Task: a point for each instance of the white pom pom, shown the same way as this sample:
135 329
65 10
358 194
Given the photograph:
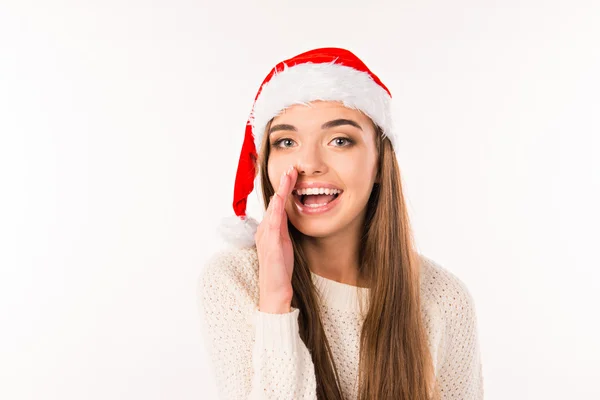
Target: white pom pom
237 231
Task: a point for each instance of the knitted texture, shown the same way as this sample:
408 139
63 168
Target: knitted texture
258 355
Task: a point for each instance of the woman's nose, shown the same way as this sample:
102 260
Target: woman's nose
310 162
310 168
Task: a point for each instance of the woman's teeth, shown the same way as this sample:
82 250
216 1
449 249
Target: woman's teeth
317 191
315 205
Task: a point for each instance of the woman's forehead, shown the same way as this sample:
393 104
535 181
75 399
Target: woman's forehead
319 111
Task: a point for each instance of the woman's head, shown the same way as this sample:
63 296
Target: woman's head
329 144
326 74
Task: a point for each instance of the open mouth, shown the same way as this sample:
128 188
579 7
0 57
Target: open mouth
315 200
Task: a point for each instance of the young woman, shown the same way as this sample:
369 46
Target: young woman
327 297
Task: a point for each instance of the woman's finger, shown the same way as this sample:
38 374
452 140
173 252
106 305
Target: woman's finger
265 219
276 208
287 191
275 216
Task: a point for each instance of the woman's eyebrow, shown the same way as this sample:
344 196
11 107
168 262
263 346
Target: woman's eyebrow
339 122
282 127
326 125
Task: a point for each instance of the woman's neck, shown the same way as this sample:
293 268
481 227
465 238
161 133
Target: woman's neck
335 258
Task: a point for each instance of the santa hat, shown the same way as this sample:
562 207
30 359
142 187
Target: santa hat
328 74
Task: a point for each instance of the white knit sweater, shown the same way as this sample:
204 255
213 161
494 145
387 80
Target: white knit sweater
257 355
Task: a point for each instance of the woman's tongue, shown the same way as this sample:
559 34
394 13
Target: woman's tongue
318 198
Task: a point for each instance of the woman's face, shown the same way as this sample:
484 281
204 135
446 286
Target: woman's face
325 147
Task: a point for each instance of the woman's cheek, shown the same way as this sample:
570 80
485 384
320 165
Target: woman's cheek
352 167
276 169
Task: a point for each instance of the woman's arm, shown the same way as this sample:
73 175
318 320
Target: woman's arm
255 355
285 366
461 375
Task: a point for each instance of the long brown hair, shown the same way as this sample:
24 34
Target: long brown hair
395 362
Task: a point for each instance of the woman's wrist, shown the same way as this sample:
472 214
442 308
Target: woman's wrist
274 306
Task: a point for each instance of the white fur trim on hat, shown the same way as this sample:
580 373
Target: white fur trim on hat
238 232
308 82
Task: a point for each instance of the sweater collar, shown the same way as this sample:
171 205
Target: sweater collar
338 295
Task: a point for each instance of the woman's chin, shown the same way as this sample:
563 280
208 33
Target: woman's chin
314 228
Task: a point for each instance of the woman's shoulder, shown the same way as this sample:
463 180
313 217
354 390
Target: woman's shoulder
445 289
230 270
232 261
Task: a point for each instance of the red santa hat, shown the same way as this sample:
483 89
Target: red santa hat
327 74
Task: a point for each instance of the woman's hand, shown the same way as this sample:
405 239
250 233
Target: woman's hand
275 252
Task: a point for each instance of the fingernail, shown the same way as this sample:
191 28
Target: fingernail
290 169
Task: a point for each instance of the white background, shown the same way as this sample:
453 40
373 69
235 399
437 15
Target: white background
121 125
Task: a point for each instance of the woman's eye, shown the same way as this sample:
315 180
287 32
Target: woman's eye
277 143
349 141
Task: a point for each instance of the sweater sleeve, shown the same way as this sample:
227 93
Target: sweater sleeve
255 355
461 374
